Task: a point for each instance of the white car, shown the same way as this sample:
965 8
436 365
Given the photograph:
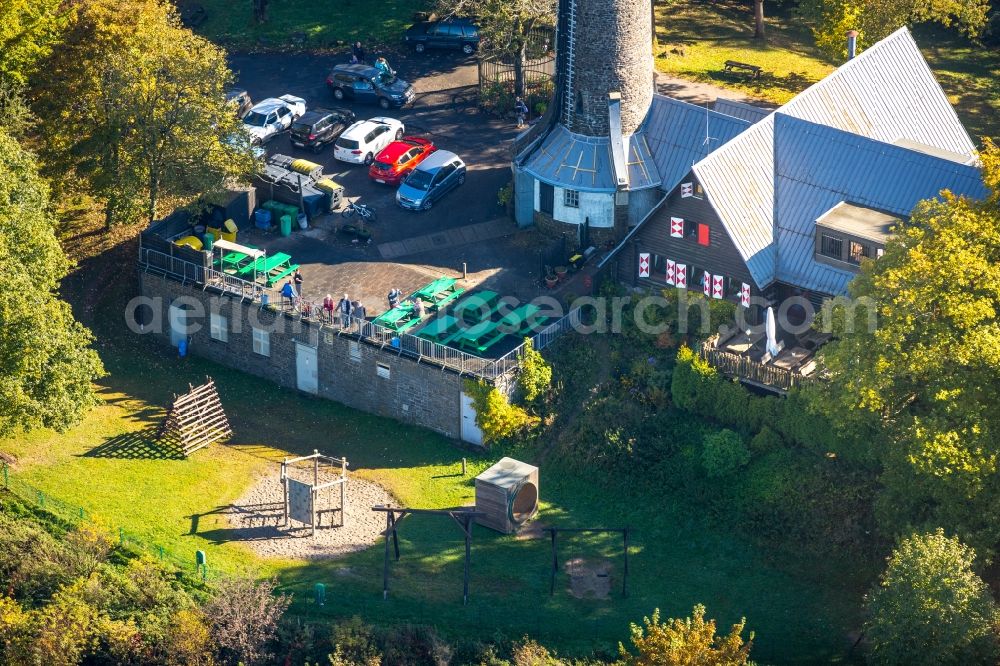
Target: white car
362 141
274 115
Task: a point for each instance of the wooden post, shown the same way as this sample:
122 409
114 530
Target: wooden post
385 563
284 487
343 492
625 572
468 554
463 466
555 564
395 538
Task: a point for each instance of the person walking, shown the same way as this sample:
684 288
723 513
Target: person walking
346 310
521 109
357 53
297 279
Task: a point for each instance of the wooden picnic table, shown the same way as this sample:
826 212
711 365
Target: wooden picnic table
391 318
481 305
742 343
429 292
439 330
731 66
265 264
789 359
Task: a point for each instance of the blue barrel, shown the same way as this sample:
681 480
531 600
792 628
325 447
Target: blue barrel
262 218
182 348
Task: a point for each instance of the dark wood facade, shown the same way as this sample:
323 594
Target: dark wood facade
718 257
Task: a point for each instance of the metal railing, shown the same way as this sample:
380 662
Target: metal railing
404 344
155 261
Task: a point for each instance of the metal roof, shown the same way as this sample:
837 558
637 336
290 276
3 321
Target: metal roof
818 167
583 163
886 94
747 112
679 134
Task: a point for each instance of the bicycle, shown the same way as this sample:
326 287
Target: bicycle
366 213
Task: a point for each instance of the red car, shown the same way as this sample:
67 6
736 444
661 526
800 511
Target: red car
399 158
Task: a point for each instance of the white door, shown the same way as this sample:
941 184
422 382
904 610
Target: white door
306 374
470 431
178 325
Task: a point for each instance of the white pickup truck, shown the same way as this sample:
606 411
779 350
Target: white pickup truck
272 116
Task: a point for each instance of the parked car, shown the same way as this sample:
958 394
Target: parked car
320 127
399 158
437 175
274 115
362 141
240 99
454 33
364 83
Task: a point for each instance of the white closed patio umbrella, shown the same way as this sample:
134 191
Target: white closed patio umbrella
772 334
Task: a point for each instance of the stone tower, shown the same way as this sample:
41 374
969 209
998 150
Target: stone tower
607 48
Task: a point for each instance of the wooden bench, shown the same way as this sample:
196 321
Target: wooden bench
735 67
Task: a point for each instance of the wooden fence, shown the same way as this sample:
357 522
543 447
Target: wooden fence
746 369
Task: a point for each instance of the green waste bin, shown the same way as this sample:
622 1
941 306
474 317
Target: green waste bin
286 225
208 241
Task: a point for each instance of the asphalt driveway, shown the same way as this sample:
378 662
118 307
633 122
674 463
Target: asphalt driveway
444 111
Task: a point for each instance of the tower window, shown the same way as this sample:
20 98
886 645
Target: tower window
571 198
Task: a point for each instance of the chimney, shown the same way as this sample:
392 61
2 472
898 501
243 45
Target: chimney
617 140
852 44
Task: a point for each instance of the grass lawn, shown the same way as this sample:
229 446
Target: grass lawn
802 611
315 24
696 38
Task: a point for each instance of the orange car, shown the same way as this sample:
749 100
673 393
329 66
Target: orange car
399 158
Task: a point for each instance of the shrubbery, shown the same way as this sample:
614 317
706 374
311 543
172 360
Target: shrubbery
495 416
724 453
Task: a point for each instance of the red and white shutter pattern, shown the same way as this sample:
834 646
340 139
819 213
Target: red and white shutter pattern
644 264
745 295
706 283
717 286
677 227
671 271
680 276
687 189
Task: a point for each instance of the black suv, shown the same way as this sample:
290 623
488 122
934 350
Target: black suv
364 83
319 128
447 34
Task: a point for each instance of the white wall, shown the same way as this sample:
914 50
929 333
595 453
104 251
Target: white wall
599 207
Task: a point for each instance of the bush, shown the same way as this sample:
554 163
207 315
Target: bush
766 441
535 377
680 642
495 416
724 453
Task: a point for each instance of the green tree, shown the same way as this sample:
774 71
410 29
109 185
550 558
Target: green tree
922 385
931 608
505 27
28 30
46 363
682 642
876 19
137 107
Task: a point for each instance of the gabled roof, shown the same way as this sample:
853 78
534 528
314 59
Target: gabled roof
747 112
818 167
583 163
886 94
680 134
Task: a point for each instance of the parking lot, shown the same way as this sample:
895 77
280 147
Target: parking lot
466 226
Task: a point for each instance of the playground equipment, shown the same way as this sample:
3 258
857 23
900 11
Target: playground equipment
301 497
507 495
195 419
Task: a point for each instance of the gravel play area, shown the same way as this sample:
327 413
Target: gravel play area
257 519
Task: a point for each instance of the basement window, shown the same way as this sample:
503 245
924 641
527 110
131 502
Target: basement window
261 342
354 350
382 370
571 198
